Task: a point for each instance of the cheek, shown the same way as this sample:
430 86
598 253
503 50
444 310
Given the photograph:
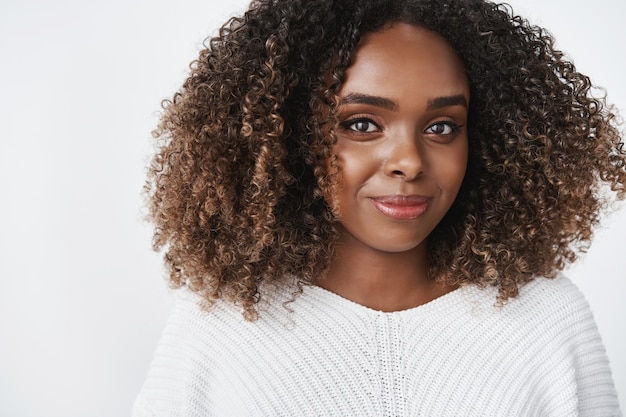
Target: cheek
355 165
451 167
347 167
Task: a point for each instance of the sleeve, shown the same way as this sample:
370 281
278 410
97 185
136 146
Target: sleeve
588 384
141 408
177 381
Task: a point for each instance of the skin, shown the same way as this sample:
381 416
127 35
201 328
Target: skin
402 150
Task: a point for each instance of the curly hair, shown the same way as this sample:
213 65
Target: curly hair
236 188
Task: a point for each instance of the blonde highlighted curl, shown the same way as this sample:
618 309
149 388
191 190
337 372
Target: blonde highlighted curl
236 188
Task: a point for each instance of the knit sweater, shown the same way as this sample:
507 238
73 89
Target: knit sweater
322 355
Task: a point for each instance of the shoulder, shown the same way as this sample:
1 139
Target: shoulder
548 326
552 312
540 349
555 331
195 328
554 304
559 291
214 362
543 298
185 361
197 336
563 312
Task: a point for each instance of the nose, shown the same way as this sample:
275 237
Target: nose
405 158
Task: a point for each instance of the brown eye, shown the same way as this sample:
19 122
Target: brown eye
442 128
361 126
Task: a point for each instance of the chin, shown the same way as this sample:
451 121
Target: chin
395 247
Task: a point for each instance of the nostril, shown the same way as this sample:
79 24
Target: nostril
396 172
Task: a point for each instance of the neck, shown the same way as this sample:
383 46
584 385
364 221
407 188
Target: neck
386 281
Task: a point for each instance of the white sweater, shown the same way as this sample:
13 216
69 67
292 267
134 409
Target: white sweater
459 355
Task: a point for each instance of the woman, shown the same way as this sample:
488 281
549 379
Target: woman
384 189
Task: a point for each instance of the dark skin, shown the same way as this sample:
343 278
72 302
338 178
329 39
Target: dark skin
382 281
402 153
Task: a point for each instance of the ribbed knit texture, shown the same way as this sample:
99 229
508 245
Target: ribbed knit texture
459 355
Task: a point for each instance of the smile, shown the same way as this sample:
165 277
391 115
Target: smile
401 207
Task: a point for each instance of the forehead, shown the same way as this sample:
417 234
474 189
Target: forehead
405 59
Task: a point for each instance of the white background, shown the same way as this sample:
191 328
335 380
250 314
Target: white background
82 297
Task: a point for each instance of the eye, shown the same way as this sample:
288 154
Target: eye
361 126
443 128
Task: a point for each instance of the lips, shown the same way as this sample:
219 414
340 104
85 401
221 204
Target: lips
401 207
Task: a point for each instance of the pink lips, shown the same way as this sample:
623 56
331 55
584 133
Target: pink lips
401 207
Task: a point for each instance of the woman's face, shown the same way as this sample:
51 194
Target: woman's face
402 138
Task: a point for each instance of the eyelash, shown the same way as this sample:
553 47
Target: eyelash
350 123
454 127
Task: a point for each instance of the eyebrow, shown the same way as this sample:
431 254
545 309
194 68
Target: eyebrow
439 102
385 103
357 98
